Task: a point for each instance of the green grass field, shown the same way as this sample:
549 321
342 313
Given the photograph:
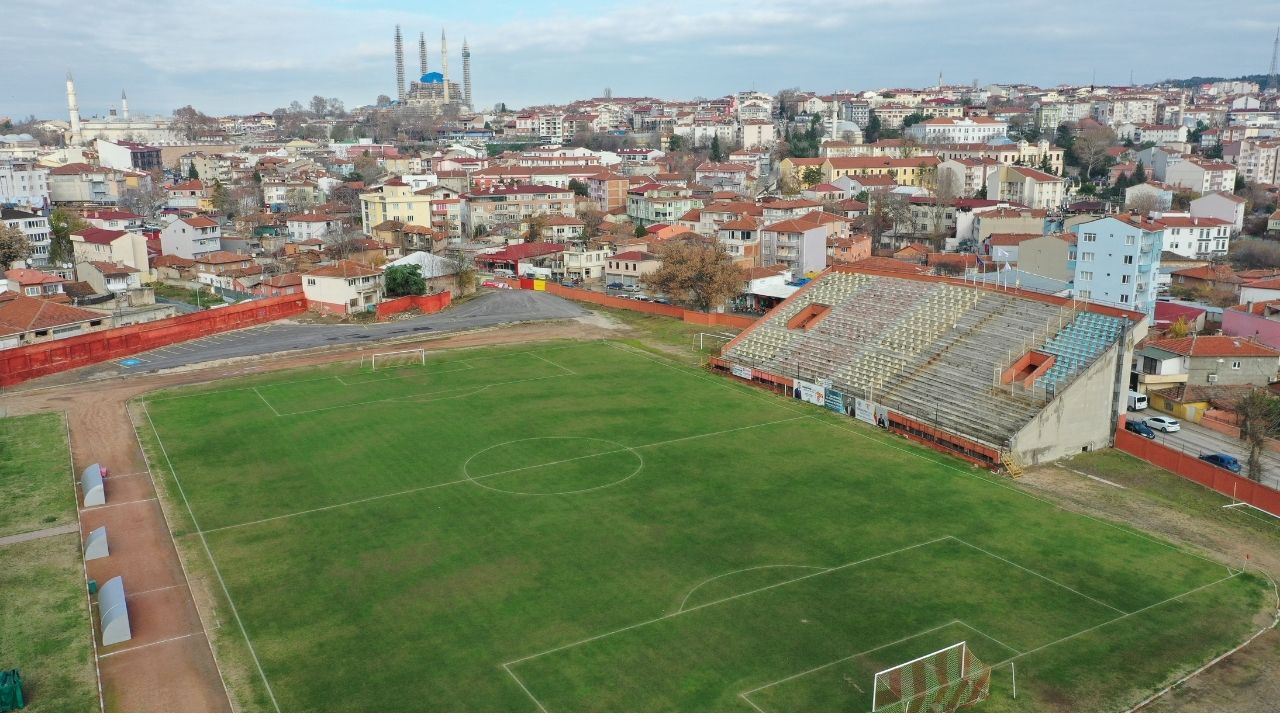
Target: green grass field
44 619
587 527
35 474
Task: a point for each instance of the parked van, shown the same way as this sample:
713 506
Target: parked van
1137 401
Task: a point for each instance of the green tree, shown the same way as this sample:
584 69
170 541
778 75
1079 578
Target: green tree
405 280
871 132
811 176
640 230
192 172
221 198
62 225
1240 183
913 119
717 155
1214 153
1139 175
675 143
14 246
578 187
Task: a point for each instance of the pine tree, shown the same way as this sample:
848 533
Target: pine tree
192 173
1139 174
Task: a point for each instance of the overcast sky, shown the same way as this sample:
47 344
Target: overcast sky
242 56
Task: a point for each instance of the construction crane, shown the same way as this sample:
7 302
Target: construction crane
1272 85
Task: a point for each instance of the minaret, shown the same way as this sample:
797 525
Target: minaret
466 73
124 106
444 64
74 109
399 65
422 54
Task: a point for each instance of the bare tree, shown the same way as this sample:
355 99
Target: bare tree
147 202
1143 204
696 272
1091 148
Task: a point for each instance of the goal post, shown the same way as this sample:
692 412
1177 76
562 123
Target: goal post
942 681
396 358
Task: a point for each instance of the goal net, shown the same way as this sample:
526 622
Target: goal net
942 681
397 358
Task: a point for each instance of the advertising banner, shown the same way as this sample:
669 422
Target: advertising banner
740 371
835 401
864 411
809 392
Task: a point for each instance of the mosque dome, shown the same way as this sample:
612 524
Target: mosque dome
431 78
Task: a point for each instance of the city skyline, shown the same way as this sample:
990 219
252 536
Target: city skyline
545 53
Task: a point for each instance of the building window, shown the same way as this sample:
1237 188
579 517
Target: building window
1090 237
1086 275
1235 364
1086 257
1130 239
311 281
1124 298
1128 259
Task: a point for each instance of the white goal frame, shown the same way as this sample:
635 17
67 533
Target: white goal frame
964 670
373 358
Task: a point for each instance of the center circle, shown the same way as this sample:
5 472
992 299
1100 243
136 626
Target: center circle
552 465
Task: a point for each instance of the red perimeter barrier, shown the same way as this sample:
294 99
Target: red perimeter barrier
425 303
33 361
1196 470
689 316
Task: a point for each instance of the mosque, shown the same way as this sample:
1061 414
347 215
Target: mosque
115 127
433 90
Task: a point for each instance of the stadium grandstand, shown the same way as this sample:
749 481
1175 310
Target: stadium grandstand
994 374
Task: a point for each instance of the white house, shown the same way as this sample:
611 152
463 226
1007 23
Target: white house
36 229
1198 238
191 237
1203 176
1026 186
958 130
343 288
1221 205
305 227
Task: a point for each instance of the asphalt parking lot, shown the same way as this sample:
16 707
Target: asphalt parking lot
495 308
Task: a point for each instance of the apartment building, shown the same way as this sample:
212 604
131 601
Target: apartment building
190 238
512 206
958 130
1026 186
1115 259
1203 176
23 183
36 229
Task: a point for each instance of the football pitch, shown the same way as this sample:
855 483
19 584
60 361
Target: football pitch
591 527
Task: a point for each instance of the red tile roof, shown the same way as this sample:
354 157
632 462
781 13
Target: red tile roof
99 236
20 313
221 257
1011 238
342 269
515 253
634 256
113 268
26 276
1214 346
200 221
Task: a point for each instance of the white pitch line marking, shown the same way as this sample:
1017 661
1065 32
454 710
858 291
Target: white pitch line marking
150 644
269 405
1042 577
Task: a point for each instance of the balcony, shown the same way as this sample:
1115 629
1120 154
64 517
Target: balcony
1144 268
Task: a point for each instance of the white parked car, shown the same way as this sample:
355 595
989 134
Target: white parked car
1164 424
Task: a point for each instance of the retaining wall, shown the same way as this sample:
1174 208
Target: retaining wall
425 303
1236 487
671 311
32 361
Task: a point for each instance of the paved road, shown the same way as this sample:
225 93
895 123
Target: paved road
1195 440
504 306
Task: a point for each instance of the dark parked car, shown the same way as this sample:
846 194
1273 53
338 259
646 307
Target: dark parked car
1222 460
614 286
1140 427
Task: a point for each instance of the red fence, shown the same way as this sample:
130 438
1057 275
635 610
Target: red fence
689 316
1196 470
33 361
425 303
